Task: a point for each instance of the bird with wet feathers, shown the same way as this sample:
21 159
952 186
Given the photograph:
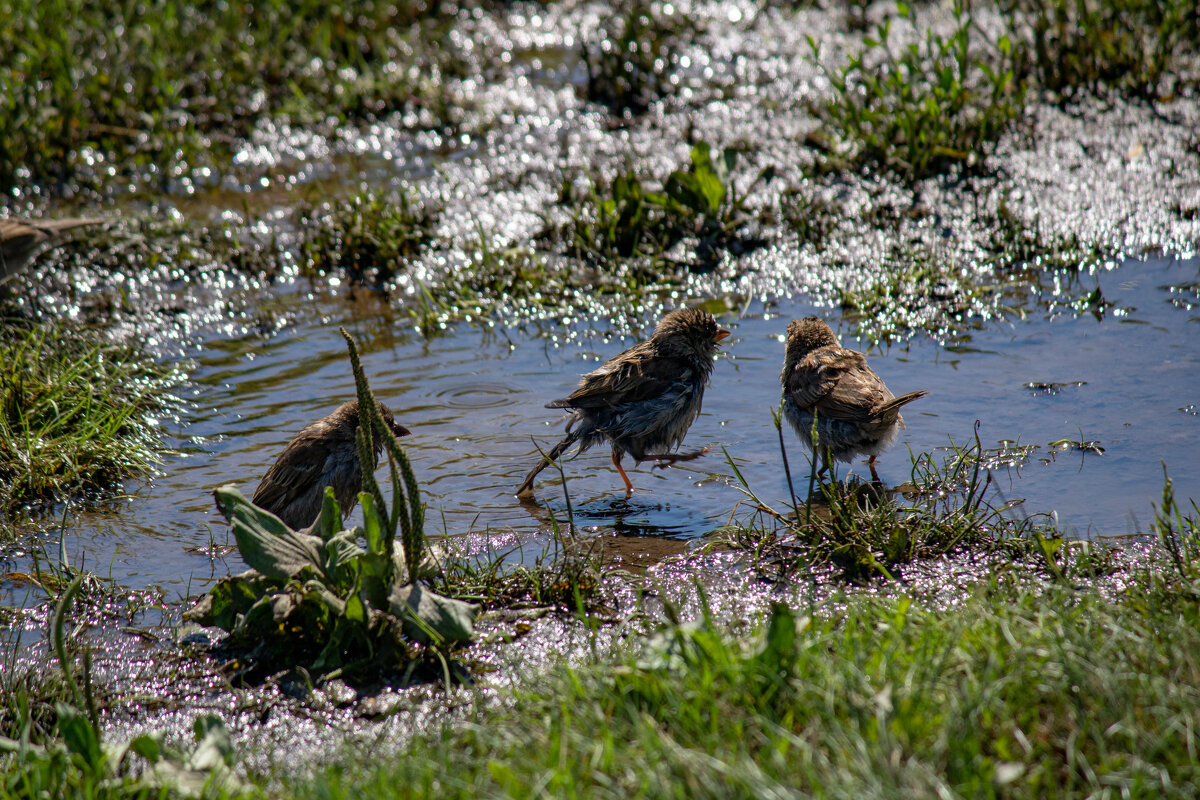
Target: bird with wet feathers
324 453
855 413
643 400
22 239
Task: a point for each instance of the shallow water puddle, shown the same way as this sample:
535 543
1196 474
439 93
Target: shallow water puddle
1129 382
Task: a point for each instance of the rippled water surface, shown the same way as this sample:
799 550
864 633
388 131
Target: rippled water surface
1127 379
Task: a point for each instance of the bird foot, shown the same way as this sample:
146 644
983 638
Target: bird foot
671 459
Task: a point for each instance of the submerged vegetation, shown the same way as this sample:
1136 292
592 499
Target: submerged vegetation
52 744
634 59
1136 46
80 414
369 238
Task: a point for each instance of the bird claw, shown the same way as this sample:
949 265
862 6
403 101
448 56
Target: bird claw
671 459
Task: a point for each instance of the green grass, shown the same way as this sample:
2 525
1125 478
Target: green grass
369 238
1018 689
78 414
627 219
177 82
1133 46
1015 692
925 108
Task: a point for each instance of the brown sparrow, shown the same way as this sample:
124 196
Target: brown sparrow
855 412
643 400
324 453
22 239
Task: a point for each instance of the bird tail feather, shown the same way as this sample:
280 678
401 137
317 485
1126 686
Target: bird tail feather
903 400
526 488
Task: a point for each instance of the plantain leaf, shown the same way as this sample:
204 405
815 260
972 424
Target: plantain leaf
329 523
430 618
264 541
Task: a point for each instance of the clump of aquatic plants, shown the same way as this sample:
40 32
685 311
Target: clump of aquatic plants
52 743
370 238
626 219
1135 46
921 289
79 414
333 600
634 58
1018 246
568 576
864 530
1179 533
928 107
149 87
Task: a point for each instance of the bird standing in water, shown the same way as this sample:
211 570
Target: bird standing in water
22 239
324 453
643 400
855 412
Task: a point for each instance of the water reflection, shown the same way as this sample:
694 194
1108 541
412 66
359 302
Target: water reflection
474 402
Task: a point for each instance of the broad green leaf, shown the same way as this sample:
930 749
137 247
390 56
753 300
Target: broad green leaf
264 541
229 598
148 746
780 643
315 590
713 191
329 523
79 736
340 552
216 746
430 618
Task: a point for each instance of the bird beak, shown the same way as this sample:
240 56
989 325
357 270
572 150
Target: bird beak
720 334
400 430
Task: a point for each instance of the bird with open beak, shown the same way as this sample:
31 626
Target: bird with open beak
643 400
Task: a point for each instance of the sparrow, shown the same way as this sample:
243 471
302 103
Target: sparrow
324 453
22 239
643 400
855 412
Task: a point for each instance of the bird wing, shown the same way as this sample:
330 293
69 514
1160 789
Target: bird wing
837 384
295 472
637 374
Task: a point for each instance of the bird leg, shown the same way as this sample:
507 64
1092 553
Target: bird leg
871 464
616 460
671 459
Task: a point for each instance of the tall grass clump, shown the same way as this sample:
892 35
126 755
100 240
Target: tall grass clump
1142 47
864 530
78 413
927 107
